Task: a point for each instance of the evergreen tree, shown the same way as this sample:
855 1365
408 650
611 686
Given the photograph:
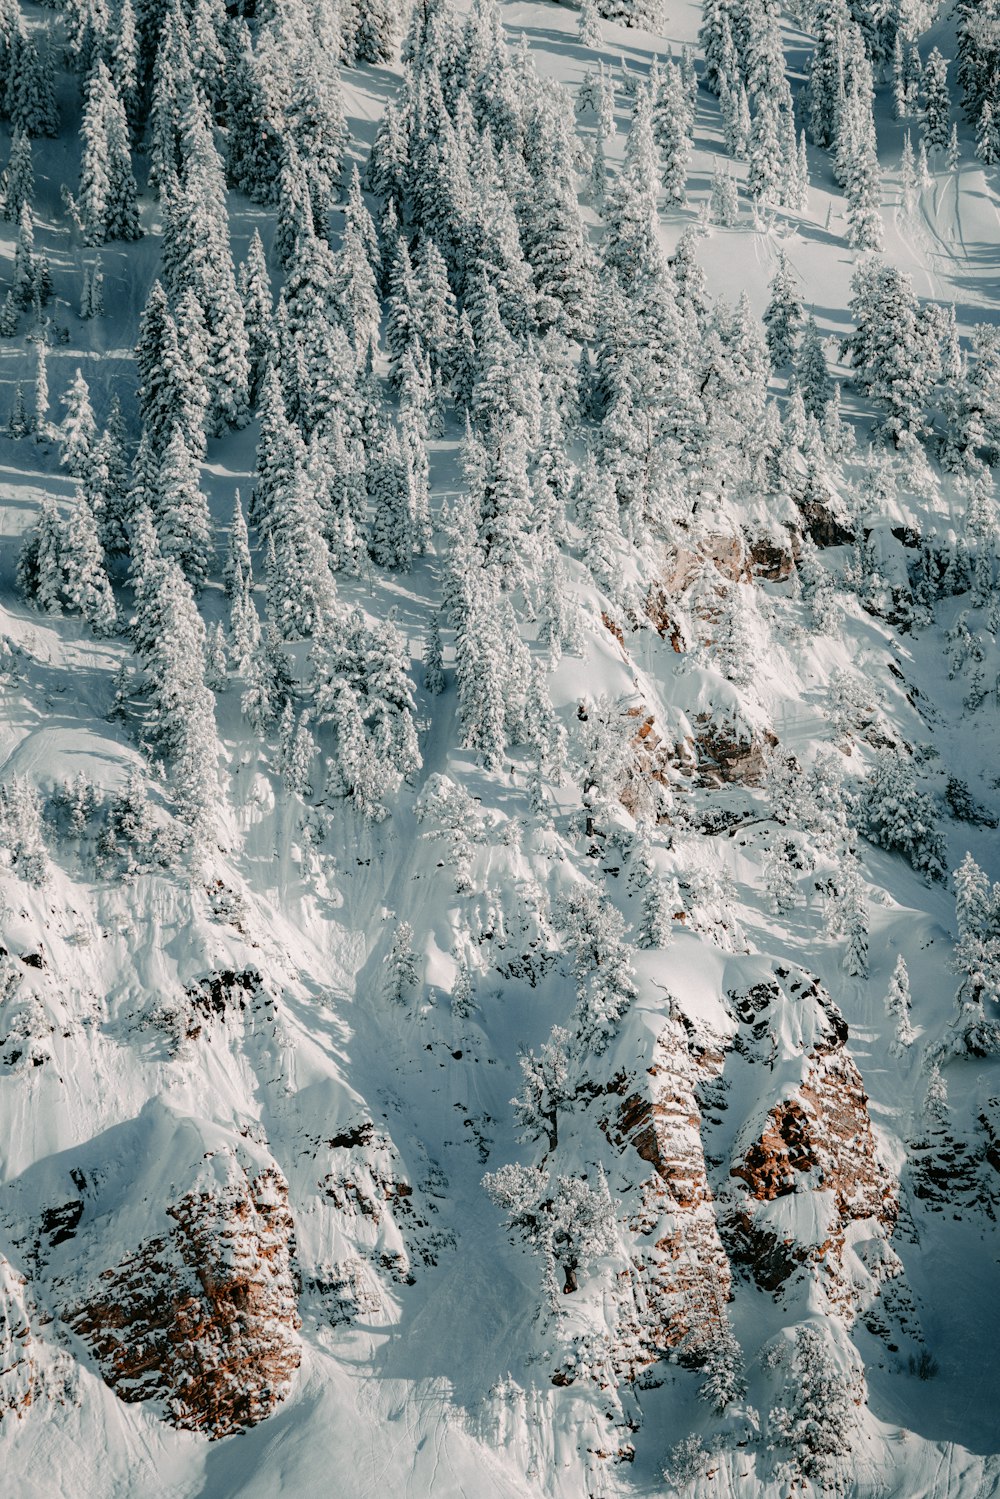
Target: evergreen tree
892 349
301 592
897 1003
811 373
936 124
716 40
181 512
400 965
182 718
656 929
673 123
392 523
764 177
19 178
79 429
27 266
606 989
31 100
725 203
360 685
107 197
169 395
987 137
40 424
859 171
198 257
830 69
258 312
434 679
17 423
782 316
898 816
589 31
85 582
819 1424
21 830
354 291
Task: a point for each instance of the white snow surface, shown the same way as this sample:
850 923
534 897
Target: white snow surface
441 1388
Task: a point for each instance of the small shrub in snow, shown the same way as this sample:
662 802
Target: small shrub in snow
686 1462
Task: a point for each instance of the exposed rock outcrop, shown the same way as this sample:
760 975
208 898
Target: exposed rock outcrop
682 1278
726 756
204 1317
17 1363
813 1189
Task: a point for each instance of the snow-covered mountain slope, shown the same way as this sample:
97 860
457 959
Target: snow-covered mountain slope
565 1131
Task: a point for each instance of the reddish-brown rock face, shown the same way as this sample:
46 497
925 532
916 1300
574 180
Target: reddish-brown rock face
682 1277
817 1140
203 1318
17 1365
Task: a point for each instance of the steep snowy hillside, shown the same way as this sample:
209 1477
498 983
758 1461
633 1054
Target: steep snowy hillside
500 679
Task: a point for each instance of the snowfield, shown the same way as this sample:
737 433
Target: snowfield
249 1093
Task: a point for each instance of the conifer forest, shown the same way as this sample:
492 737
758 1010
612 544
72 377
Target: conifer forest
499 770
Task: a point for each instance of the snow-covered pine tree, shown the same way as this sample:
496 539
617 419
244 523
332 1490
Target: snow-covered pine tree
258 311
900 817
936 123
197 256
764 176
78 431
566 1222
715 38
360 684
606 989
891 349
830 68
783 315
987 136
354 291
182 721
658 908
22 830
725 201
31 98
897 1003
107 199
85 583
301 592
673 123
434 678
481 670
40 406
19 177
812 375
819 1424
392 522
858 170
27 265
589 31
377 28
168 394
181 513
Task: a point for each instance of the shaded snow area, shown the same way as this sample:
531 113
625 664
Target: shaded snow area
499 694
